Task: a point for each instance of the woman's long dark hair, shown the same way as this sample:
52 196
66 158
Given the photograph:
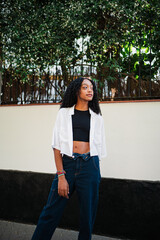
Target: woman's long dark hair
70 96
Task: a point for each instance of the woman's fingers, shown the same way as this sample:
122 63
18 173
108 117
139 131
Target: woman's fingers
63 193
63 190
66 191
66 194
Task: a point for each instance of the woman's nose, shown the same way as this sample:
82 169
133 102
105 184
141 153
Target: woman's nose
90 89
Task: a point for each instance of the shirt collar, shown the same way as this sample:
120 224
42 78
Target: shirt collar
71 111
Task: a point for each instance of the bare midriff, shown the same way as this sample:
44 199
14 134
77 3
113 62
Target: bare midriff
81 147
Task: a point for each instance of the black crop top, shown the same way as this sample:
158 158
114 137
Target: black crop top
81 125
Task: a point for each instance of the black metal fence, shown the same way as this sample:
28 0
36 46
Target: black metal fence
50 88
121 78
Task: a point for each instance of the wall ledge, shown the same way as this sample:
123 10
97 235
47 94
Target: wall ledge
101 102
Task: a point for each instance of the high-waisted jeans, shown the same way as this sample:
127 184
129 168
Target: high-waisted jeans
83 175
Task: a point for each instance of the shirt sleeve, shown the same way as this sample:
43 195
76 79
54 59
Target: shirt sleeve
56 131
103 150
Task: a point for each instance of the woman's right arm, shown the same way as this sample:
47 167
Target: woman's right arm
63 186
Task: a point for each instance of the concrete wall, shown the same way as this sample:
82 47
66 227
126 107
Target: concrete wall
132 139
129 196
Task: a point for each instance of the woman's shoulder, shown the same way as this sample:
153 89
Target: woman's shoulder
97 115
64 110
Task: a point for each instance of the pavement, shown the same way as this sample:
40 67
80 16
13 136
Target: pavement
20 231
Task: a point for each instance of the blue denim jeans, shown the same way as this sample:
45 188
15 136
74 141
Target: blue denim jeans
83 175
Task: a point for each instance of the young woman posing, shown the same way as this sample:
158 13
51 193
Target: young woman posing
78 144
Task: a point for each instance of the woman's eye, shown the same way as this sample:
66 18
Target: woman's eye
85 87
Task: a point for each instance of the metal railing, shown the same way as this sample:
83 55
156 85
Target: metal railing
120 82
50 88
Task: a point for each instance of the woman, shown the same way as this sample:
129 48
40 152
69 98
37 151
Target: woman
78 144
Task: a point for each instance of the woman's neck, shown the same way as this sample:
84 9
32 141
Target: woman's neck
81 106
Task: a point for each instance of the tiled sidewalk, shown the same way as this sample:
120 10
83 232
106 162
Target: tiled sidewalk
19 231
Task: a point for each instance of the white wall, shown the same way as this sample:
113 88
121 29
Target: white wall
132 137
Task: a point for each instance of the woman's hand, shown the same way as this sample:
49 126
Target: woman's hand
63 187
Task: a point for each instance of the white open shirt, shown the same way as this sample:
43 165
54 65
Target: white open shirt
63 133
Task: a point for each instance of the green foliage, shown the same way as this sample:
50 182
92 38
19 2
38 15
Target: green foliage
37 35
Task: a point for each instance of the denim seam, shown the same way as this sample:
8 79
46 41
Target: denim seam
95 164
50 200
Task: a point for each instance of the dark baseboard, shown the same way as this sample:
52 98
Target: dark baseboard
127 208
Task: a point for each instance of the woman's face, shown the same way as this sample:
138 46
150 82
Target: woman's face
86 90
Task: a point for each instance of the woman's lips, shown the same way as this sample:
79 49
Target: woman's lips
89 95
